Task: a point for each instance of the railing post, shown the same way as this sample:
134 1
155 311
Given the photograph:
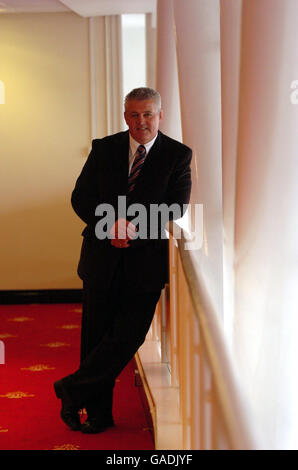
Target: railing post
163 327
173 255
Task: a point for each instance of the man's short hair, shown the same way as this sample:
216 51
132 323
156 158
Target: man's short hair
144 93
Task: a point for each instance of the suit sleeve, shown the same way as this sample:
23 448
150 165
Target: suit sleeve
179 186
85 196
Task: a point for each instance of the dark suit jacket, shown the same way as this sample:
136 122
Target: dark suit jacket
164 178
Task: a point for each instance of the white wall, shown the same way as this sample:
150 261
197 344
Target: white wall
45 138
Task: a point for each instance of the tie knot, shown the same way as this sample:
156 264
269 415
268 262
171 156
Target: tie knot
141 149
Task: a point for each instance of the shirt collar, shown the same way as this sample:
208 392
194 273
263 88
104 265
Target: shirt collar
133 144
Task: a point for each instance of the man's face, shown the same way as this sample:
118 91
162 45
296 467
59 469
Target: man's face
142 118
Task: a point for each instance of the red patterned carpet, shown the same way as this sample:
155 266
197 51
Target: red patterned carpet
42 345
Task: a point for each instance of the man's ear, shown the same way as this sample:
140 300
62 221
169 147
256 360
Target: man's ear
160 114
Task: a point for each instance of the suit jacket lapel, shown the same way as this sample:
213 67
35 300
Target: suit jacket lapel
119 162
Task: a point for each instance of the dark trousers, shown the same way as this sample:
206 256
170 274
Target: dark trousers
115 323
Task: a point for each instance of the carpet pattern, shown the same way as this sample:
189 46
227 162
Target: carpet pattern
42 344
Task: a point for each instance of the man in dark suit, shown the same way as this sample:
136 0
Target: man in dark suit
123 262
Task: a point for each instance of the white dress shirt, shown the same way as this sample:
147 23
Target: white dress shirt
133 146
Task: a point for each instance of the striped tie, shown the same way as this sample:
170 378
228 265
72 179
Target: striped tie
136 167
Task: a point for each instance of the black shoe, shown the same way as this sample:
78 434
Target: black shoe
69 413
95 425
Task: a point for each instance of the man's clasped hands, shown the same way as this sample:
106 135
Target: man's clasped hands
122 232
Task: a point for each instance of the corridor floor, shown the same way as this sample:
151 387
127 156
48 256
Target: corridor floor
41 343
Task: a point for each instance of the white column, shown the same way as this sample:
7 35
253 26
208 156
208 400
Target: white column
266 247
198 51
167 85
151 50
114 83
230 76
166 69
92 76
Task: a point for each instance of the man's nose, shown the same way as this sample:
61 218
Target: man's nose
141 119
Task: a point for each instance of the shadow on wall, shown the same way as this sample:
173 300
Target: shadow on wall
40 247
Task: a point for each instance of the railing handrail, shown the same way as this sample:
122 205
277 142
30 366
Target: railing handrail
229 394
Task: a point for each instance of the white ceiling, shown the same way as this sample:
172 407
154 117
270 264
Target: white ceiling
84 8
31 6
